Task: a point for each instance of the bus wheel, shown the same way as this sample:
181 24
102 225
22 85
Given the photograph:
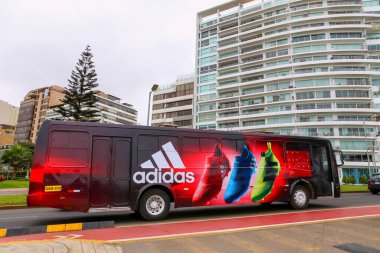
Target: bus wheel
374 191
299 199
154 205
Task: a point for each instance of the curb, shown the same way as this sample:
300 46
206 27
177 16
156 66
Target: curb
6 232
10 207
355 192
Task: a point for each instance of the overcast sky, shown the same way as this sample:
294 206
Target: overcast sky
135 44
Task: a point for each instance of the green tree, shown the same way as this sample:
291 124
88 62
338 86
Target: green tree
351 179
344 180
28 164
18 157
363 179
79 101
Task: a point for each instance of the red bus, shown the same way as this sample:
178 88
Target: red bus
93 167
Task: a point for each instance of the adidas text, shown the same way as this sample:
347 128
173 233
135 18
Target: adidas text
158 176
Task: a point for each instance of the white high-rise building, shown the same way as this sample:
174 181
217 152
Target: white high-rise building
307 67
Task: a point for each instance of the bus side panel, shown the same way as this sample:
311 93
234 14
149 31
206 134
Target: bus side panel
63 177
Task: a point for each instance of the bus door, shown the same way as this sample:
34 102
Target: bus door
110 172
322 176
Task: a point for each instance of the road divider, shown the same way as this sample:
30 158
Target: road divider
6 232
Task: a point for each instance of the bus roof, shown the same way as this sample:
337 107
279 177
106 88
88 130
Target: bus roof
49 123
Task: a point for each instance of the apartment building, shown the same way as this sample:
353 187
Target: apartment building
7 135
33 111
8 120
111 109
38 106
173 104
309 67
8 113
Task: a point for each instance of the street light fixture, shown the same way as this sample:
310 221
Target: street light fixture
154 88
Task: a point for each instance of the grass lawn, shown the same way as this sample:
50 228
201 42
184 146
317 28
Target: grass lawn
349 188
6 184
13 199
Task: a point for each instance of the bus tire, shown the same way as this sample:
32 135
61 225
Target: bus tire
154 205
299 198
374 191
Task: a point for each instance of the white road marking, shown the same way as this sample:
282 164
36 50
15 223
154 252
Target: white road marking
242 229
71 236
21 217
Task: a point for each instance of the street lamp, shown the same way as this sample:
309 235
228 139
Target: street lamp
154 88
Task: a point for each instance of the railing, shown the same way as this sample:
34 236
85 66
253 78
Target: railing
228 95
335 3
250 9
231 16
225 106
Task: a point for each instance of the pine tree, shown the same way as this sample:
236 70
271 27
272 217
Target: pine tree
79 101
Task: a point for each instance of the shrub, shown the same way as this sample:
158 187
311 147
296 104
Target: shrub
2 178
351 179
344 180
363 179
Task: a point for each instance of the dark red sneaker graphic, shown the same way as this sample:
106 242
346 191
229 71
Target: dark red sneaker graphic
216 169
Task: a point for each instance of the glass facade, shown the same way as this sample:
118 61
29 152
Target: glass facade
295 69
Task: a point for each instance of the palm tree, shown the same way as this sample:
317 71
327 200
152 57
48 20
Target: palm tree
17 157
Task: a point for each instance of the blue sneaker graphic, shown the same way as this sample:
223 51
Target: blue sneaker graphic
244 167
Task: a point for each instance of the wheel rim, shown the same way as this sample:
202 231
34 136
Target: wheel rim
155 205
300 198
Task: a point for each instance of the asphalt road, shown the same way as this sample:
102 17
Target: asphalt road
44 216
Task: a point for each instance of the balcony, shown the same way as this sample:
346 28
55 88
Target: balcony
336 3
229 105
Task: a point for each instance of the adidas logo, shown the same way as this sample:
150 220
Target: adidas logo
165 162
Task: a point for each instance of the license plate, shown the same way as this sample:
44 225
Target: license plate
53 188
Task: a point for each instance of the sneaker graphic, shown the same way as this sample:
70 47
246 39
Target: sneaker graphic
268 171
244 167
216 169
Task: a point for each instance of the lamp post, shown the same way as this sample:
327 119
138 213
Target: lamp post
154 88
367 147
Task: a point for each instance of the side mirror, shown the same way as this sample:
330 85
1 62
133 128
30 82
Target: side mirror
338 158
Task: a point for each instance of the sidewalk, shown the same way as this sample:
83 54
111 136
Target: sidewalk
14 191
61 246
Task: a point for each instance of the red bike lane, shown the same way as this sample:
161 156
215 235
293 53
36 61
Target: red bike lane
223 225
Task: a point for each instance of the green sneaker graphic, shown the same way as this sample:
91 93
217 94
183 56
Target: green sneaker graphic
268 171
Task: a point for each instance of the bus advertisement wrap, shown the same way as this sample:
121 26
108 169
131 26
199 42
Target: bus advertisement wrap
90 166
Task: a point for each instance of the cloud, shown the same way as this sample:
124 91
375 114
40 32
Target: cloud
135 44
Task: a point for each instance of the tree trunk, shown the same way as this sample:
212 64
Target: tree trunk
14 175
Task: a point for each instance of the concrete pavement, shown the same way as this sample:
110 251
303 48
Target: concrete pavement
61 246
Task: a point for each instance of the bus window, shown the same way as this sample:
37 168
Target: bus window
122 158
147 145
101 157
208 145
326 164
190 145
298 160
165 139
148 142
68 149
229 146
